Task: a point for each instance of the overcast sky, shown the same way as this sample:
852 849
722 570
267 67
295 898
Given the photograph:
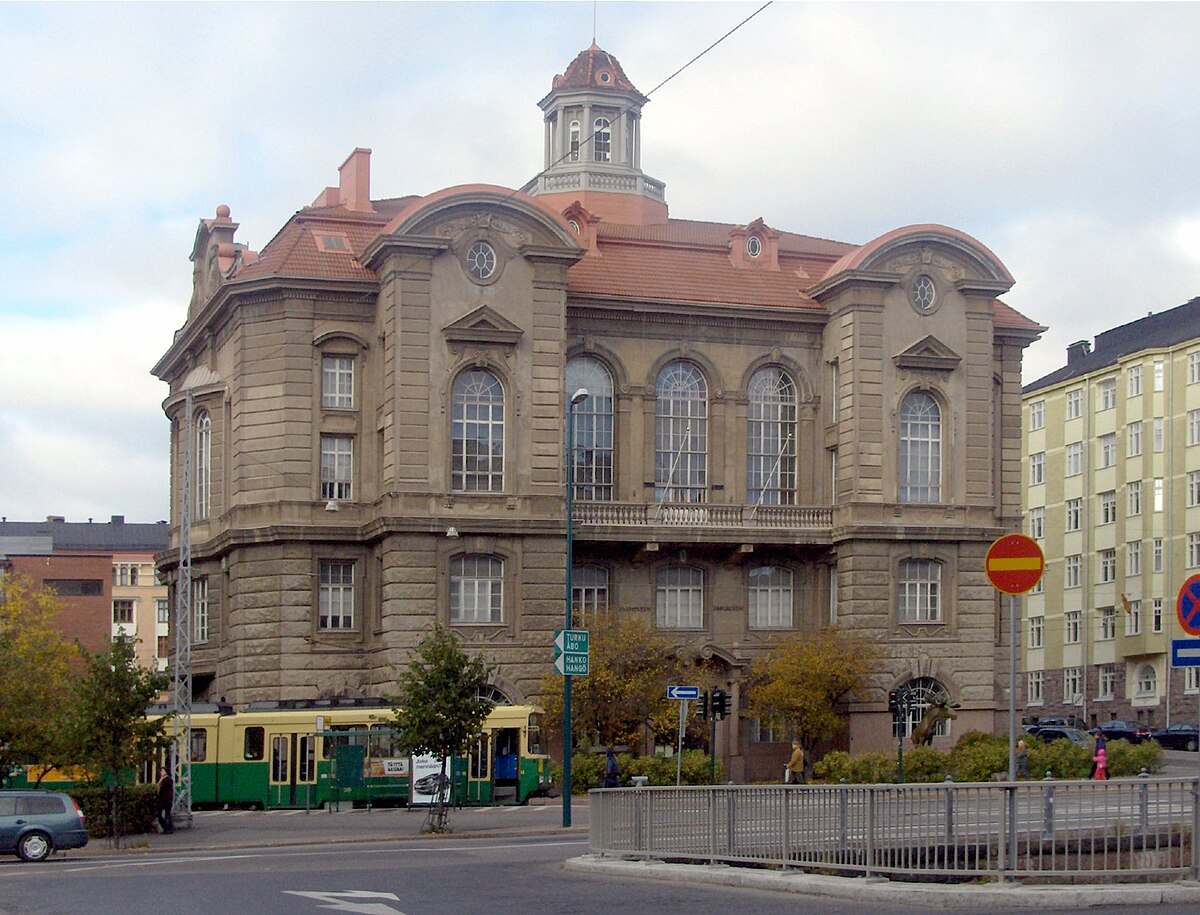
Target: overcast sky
1063 137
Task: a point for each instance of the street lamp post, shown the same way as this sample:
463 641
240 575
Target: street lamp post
576 399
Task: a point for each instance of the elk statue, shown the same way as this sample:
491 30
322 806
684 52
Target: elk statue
940 709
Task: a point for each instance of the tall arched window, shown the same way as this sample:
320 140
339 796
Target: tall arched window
771 433
574 141
919 591
770 598
679 598
602 140
593 433
921 693
477 434
920 449
203 481
681 435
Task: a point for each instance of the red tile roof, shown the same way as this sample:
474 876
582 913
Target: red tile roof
588 69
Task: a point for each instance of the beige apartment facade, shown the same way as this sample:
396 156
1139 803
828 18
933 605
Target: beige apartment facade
780 433
1112 474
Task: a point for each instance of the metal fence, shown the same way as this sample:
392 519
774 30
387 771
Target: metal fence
1033 831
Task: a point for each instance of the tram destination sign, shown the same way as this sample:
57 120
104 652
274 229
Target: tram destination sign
571 656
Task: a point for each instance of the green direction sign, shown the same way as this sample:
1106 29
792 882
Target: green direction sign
571 652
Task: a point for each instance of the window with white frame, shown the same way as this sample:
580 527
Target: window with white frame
1073 462
601 140
589 594
1036 682
1108 566
1037 631
477 433
1158 494
199 610
1037 468
1156 614
203 477
1037 415
1191 679
1108 450
335 602
679 597
1193 488
1133 618
1108 506
1158 436
920 448
1072 568
1160 375
1072 684
1158 554
1133 558
770 598
592 469
574 140
1133 377
163 606
337 382
1108 624
1071 627
771 438
1037 523
1133 439
1108 394
1039 586
476 589
1193 368
1147 681
1193 550
1074 403
919 598
337 467
681 434
1107 686
1133 492
1193 427
1072 515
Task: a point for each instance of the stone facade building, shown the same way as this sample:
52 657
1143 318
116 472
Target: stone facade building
780 432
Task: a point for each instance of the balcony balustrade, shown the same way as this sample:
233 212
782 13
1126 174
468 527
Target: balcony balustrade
702 515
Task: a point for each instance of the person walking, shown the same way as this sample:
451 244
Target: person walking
794 773
166 800
1100 760
612 772
1022 760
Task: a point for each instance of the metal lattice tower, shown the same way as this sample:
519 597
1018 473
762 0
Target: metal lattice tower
181 721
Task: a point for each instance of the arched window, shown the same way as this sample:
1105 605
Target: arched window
679 598
476 589
771 433
589 593
920 449
681 435
203 481
601 140
593 433
477 445
574 141
919 594
1147 680
770 598
921 692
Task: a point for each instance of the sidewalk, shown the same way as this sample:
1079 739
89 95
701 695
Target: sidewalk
232 829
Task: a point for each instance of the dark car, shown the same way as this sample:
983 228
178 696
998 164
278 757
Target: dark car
1051 733
1177 737
1122 730
436 783
35 823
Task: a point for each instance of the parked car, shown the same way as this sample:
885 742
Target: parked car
1070 721
1050 733
35 823
1178 737
1123 730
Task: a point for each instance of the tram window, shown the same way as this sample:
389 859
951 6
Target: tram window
534 739
255 741
199 749
480 766
383 743
335 739
307 758
279 758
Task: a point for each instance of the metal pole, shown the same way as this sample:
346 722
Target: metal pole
712 743
180 759
570 548
1012 688
679 754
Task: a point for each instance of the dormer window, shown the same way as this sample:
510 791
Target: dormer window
332 242
602 140
754 246
574 141
605 77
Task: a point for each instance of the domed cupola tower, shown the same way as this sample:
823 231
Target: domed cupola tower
594 144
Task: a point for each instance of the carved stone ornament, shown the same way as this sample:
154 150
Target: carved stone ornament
902 263
455 228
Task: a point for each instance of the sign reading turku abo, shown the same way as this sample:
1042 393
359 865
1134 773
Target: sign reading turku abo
571 656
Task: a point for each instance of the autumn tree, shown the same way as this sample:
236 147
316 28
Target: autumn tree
802 684
35 662
438 709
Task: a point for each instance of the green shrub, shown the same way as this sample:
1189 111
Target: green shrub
977 756
866 769
1125 758
139 804
925 764
587 770
1061 758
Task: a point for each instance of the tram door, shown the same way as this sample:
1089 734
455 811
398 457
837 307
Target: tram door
506 765
479 771
293 770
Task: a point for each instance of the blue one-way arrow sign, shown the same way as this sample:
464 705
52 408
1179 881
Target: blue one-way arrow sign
1185 652
683 692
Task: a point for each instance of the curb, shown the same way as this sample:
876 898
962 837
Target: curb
879 890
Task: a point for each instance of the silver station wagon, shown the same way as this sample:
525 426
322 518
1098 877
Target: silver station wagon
35 823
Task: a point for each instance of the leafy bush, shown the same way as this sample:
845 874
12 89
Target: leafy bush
866 769
1125 758
138 806
977 756
587 770
1061 758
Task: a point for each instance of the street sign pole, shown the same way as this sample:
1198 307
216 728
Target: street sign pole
679 755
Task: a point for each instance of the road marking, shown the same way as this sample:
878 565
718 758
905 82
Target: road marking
342 902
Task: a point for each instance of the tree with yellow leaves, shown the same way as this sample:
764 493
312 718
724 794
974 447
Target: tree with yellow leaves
802 684
35 661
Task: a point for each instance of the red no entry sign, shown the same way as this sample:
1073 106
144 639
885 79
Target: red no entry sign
1014 564
1187 608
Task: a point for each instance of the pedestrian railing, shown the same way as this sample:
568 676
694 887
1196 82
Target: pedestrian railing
1040 831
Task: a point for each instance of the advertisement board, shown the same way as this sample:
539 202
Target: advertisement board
426 776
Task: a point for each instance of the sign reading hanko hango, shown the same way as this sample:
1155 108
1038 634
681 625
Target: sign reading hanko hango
571 652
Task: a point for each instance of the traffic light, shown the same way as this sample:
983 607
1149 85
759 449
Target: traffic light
720 703
894 702
702 709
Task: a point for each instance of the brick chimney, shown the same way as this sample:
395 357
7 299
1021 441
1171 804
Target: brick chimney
354 181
